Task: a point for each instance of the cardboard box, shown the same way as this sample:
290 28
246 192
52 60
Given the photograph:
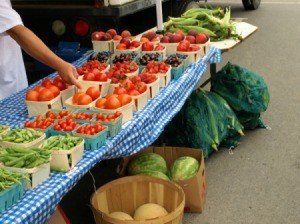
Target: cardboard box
194 188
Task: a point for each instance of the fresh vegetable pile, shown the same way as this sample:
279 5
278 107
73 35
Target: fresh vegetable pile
20 135
215 23
24 158
153 164
60 142
10 178
3 128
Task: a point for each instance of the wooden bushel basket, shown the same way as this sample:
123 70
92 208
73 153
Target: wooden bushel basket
126 194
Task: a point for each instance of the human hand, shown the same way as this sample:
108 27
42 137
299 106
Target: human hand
69 74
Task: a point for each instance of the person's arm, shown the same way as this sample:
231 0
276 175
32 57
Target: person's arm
35 47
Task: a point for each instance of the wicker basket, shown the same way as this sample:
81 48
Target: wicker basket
128 193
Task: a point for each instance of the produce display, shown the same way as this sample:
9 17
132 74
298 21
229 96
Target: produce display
60 142
57 114
215 23
24 158
84 115
87 97
22 135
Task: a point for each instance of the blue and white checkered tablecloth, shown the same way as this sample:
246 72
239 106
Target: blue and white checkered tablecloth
38 204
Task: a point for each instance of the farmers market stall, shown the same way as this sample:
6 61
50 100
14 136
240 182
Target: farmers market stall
39 204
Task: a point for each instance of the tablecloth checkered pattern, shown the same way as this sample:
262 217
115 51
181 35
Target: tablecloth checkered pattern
39 204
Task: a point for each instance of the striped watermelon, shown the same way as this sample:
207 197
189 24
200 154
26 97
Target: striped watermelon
153 173
147 161
184 168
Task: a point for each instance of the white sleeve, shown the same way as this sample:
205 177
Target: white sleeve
9 18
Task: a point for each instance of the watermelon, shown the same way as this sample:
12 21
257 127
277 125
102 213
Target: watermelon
184 168
153 173
147 161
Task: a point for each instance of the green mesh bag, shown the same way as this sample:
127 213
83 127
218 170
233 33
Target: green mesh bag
205 122
245 91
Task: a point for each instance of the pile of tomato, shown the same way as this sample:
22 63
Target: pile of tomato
59 115
39 122
66 125
108 117
133 86
91 129
48 90
113 101
82 116
87 97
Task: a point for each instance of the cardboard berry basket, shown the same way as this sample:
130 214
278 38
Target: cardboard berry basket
176 72
11 196
165 78
192 56
194 188
37 175
103 86
204 48
170 47
102 45
140 100
112 87
133 56
153 88
35 143
67 93
126 110
64 160
114 127
71 107
84 121
40 107
93 142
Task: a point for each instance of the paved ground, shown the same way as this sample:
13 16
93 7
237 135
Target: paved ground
260 182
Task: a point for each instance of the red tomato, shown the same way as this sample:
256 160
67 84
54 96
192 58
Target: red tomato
57 81
45 95
32 95
133 92
76 96
112 103
100 103
89 76
141 87
46 82
68 128
127 84
54 89
120 90
39 88
184 45
93 92
101 77
124 99
84 99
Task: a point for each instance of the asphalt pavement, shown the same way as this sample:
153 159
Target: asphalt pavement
260 182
